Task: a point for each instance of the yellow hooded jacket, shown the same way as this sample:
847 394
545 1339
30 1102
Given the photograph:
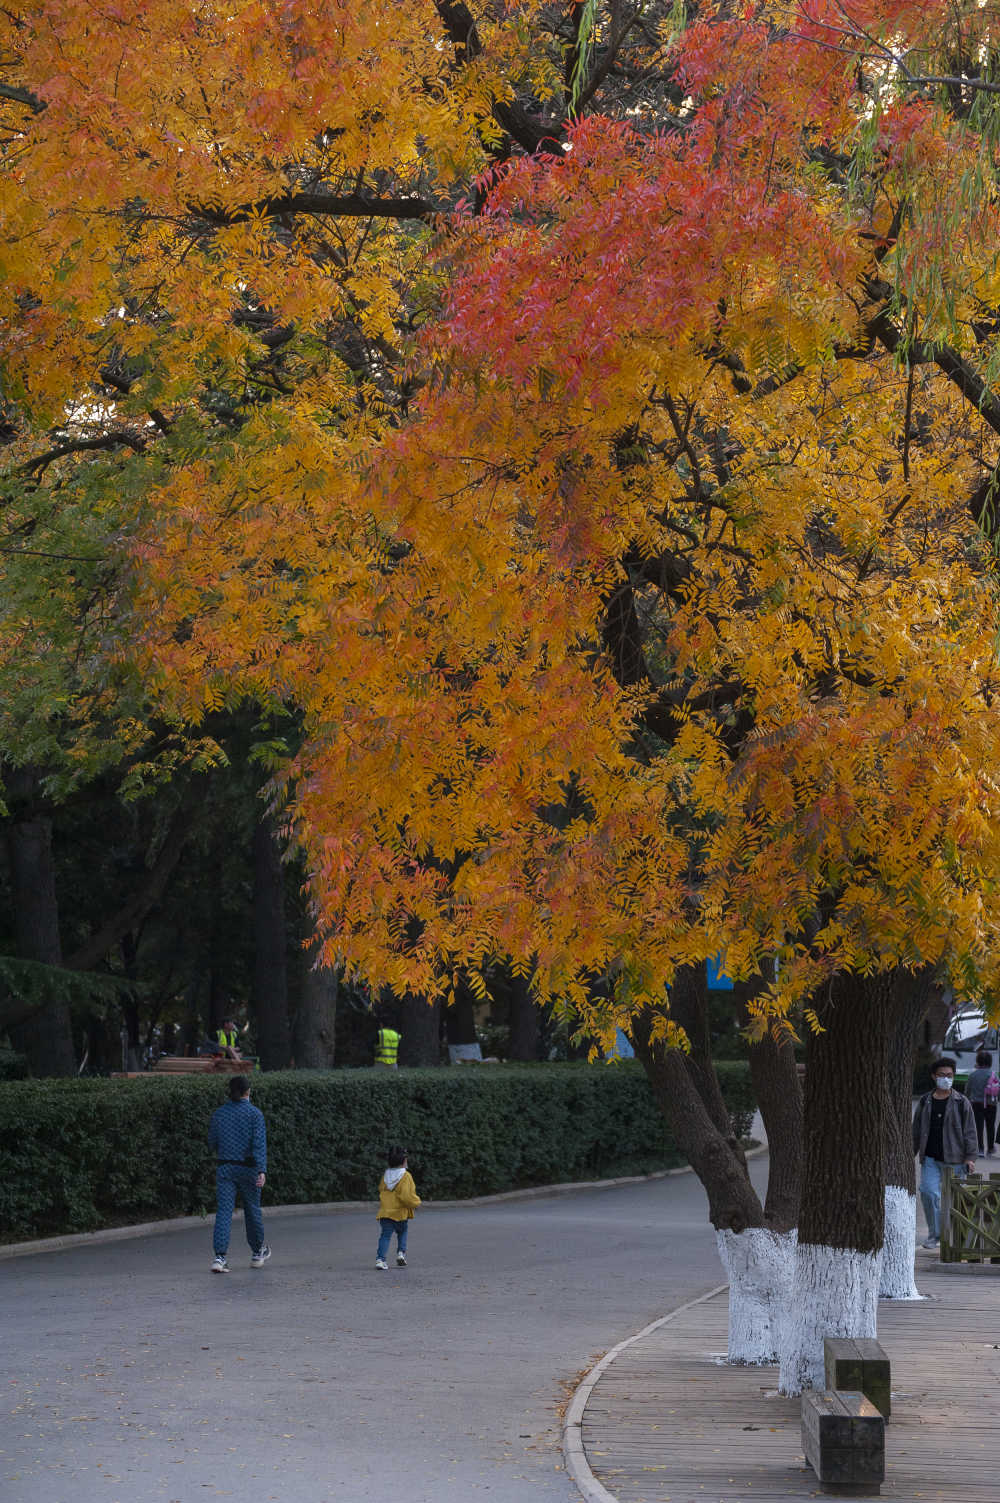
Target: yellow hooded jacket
397 1201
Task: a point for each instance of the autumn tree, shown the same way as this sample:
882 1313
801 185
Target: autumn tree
588 426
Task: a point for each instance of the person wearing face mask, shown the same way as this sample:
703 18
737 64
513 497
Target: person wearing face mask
944 1136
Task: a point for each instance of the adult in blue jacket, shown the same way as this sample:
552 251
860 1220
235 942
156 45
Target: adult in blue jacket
239 1139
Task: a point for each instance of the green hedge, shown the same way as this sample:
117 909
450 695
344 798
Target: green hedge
81 1154
737 1092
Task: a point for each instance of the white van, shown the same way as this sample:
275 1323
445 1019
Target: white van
968 1032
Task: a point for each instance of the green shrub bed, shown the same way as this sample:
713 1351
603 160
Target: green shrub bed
83 1154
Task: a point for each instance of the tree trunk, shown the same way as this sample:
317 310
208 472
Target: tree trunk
689 1009
270 974
911 999
757 1260
778 1090
316 1016
842 1215
420 1030
132 1049
460 1016
732 1201
46 1038
759 1264
130 1006
525 1022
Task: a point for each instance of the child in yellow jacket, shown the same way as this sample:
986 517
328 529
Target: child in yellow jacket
397 1201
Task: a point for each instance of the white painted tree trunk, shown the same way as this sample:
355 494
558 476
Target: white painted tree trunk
896 1275
759 1264
834 1293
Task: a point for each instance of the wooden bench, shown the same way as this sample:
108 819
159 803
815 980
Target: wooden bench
843 1437
189 1064
200 1064
858 1365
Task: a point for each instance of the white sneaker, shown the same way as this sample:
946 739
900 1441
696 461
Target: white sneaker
400 1260
219 1265
381 1263
260 1257
930 1242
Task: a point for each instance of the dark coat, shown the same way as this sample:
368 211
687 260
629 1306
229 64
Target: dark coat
958 1132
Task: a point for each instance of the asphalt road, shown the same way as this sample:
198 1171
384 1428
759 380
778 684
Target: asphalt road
131 1374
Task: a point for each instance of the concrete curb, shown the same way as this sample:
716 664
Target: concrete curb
577 1464
185 1223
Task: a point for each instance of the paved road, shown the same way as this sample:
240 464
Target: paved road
131 1375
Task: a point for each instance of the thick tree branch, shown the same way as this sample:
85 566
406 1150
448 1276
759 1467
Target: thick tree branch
530 133
660 714
947 360
23 96
335 205
82 446
609 57
112 378
145 896
623 636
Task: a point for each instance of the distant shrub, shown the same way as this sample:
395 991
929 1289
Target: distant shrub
81 1154
737 1093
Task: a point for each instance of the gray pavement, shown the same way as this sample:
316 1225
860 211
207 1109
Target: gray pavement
131 1374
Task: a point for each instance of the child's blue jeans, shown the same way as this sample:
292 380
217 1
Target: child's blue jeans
388 1227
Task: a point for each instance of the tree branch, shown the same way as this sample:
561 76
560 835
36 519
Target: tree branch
336 205
81 446
948 361
529 133
23 96
145 896
663 714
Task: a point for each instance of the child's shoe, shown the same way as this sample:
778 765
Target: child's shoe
381 1263
400 1260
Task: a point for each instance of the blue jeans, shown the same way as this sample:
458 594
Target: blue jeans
388 1227
930 1191
228 1179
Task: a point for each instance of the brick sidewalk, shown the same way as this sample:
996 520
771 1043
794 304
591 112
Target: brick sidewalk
667 1422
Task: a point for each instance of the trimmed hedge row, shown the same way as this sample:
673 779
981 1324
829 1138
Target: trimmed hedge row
82 1154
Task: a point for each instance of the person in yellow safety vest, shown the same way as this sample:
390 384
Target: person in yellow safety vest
228 1039
387 1048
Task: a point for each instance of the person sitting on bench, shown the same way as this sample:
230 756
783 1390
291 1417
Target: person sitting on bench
228 1040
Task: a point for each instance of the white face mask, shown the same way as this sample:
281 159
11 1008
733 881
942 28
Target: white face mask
943 1082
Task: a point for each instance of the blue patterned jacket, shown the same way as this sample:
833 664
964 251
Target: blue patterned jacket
237 1132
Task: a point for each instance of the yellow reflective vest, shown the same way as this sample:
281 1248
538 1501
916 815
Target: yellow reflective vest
387 1047
227 1040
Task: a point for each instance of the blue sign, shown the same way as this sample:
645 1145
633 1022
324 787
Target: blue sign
718 981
